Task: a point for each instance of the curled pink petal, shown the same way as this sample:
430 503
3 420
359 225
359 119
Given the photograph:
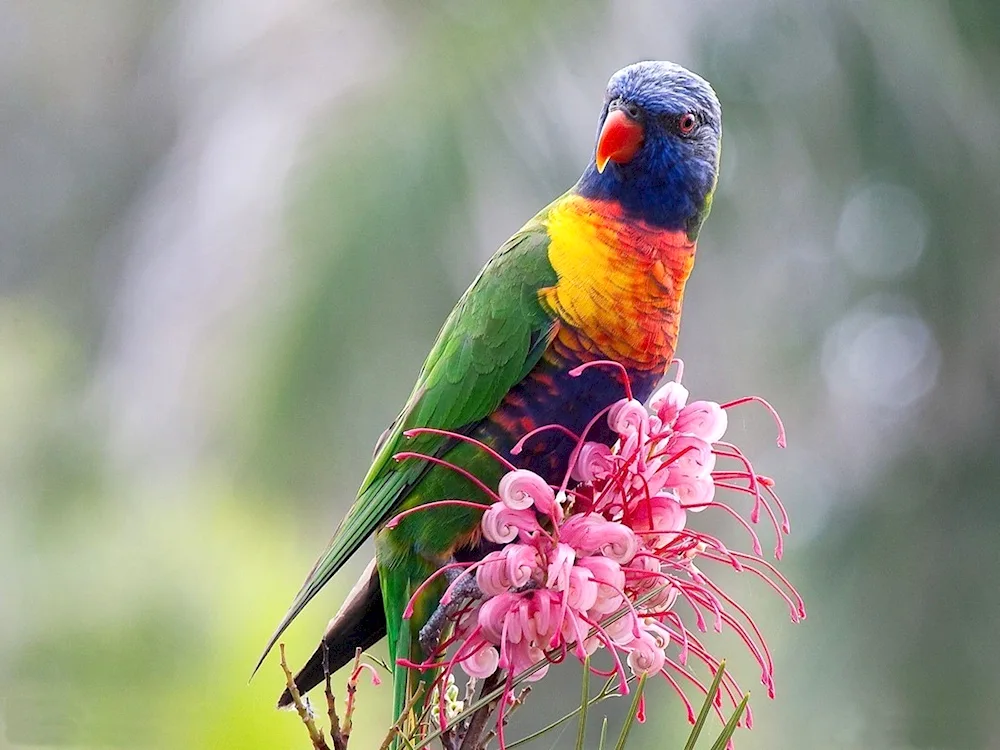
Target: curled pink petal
517 621
577 531
658 519
582 590
668 401
491 575
545 606
663 600
591 645
520 489
691 455
492 614
659 633
560 564
482 663
611 581
621 631
627 416
645 656
694 493
574 631
502 524
620 543
591 532
704 419
527 656
522 564
593 462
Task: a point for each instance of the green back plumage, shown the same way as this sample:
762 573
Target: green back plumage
490 341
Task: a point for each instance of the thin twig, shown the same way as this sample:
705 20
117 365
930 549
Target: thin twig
478 720
515 704
470 690
352 691
519 700
316 735
339 740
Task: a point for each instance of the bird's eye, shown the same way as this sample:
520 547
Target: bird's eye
687 123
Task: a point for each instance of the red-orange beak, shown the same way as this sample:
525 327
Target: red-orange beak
620 139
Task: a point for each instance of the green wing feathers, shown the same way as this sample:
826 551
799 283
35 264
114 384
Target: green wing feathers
490 341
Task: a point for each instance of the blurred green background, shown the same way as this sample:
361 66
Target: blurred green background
230 230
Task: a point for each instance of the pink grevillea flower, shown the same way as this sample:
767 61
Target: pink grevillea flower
607 561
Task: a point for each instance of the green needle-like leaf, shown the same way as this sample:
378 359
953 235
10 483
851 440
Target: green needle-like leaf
584 704
630 719
727 733
604 733
604 693
706 708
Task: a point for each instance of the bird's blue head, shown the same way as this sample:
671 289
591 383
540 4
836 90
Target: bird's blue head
658 146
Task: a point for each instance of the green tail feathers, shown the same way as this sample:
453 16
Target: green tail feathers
403 635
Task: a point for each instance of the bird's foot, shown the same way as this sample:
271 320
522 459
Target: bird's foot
465 589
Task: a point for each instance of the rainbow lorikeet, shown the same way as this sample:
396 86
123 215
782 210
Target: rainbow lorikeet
598 274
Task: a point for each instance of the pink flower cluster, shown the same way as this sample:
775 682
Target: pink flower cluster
605 559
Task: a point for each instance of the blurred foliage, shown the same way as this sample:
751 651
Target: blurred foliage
229 233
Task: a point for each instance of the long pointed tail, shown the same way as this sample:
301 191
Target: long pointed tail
360 623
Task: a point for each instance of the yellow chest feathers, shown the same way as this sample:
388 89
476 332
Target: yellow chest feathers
620 283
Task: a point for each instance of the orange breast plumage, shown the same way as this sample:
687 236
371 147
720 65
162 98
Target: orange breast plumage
620 283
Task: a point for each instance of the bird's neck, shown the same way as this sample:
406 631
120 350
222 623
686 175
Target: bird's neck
666 200
621 282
